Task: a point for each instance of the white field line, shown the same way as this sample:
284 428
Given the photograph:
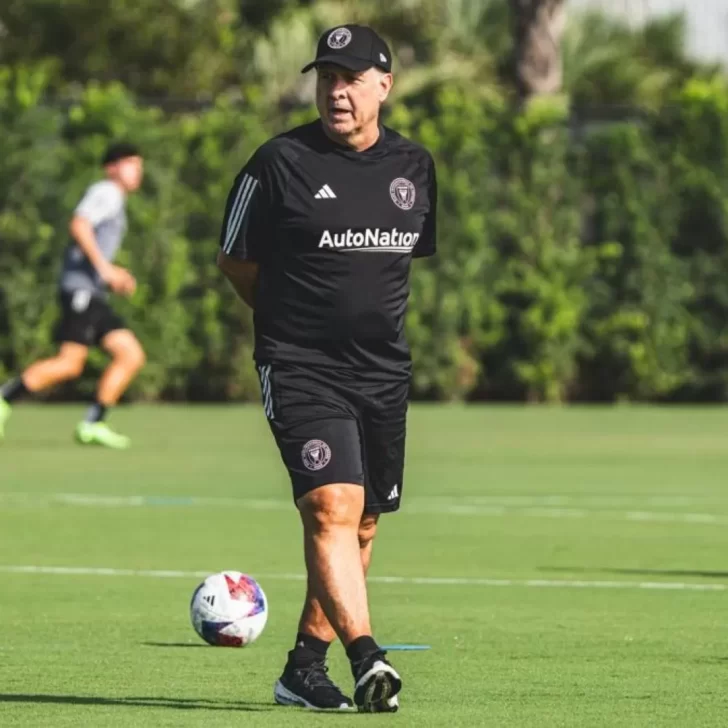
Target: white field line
421 581
513 501
530 506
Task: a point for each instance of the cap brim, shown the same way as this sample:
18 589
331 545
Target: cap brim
348 62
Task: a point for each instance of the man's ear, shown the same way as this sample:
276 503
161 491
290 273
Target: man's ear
386 81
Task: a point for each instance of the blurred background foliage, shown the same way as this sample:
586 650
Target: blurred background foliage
583 176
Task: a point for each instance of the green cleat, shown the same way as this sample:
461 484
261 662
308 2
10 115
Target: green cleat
5 411
99 433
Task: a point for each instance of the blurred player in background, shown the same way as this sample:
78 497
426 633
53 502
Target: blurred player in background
87 319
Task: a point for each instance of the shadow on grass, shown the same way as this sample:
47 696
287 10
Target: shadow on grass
22 443
174 644
711 660
137 702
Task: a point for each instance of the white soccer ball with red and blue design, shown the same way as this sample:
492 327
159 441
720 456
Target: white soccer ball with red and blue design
229 609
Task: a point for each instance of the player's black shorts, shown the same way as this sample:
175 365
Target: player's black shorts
85 318
338 429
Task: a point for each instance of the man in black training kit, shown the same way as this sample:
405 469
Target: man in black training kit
319 230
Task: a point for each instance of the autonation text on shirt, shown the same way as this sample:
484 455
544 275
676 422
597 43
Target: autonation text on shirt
394 241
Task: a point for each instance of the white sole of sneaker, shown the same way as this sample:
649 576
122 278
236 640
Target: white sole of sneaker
386 706
283 696
376 690
393 704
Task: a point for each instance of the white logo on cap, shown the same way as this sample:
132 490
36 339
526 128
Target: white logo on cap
339 38
382 58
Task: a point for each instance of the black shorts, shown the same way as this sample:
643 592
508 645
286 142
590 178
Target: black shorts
338 429
85 318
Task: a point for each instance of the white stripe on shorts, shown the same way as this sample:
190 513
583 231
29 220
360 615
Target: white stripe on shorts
265 383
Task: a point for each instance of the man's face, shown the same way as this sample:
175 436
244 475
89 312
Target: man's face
129 172
348 101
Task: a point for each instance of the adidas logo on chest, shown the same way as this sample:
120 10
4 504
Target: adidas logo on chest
325 193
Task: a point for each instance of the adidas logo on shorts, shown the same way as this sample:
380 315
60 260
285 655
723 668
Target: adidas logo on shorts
394 493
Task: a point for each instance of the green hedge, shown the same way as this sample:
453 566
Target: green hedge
577 261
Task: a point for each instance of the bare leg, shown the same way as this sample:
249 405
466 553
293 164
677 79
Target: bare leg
367 532
338 547
127 359
67 364
331 518
313 620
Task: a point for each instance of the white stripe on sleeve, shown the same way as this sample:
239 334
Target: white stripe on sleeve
238 210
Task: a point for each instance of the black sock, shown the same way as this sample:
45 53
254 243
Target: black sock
14 389
96 412
308 648
361 648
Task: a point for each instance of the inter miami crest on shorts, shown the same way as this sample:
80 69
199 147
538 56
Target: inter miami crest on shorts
316 454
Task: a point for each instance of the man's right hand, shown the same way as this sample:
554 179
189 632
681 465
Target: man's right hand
242 274
119 279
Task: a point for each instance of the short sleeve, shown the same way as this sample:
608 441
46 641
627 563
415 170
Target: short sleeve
247 226
102 201
427 244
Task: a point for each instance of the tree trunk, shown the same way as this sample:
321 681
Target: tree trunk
538 27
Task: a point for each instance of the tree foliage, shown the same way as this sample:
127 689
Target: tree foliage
199 49
587 266
578 260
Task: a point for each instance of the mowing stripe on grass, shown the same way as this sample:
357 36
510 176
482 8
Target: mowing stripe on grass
419 580
532 507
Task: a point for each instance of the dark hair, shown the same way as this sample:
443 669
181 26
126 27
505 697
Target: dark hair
119 150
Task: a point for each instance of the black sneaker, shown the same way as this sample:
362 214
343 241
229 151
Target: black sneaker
377 685
309 686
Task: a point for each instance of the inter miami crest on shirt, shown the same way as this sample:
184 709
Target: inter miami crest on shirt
402 192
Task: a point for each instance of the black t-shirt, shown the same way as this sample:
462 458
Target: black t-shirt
333 231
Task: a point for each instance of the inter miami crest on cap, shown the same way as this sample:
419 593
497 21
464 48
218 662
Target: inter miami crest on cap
356 47
339 38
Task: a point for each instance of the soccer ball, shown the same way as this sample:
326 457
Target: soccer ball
229 609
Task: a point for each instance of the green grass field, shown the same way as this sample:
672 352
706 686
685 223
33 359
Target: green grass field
569 567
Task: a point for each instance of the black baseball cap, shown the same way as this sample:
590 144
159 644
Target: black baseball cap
356 47
119 150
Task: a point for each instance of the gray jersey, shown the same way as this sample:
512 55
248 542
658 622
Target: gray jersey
103 206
